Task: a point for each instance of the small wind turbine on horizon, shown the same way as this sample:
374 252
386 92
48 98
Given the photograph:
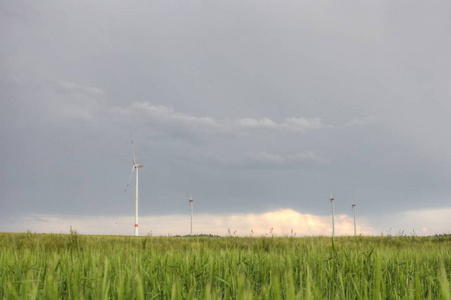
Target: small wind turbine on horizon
355 224
135 168
191 202
333 213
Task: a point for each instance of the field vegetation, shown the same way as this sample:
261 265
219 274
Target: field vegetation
74 266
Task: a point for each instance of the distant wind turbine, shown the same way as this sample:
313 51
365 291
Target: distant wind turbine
355 224
135 168
333 216
191 202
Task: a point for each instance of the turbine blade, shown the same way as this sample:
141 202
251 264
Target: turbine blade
133 152
130 178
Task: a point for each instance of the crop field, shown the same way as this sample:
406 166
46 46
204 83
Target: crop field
74 266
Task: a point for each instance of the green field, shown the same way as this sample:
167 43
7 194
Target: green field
75 266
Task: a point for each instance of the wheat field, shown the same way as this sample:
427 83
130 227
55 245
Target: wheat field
75 266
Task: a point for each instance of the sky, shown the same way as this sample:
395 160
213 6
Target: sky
259 109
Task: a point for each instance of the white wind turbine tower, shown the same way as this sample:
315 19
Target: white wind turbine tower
135 168
355 224
333 216
191 202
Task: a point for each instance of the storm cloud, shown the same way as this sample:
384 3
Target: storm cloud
253 107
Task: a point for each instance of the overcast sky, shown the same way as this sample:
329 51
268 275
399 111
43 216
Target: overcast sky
256 108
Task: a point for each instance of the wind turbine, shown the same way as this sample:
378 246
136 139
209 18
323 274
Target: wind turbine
135 168
333 216
191 202
355 224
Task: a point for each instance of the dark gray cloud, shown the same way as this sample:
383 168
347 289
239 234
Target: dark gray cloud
251 106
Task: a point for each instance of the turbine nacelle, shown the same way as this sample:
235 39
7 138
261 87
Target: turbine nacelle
190 198
138 165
